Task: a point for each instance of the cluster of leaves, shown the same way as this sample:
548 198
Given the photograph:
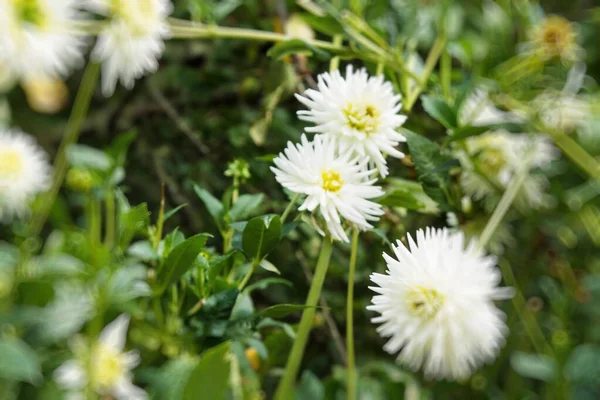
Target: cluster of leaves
175 256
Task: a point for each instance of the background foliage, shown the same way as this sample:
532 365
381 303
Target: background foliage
216 101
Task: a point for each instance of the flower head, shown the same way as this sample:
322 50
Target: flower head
492 160
336 182
436 304
24 172
555 37
132 43
104 366
361 111
37 37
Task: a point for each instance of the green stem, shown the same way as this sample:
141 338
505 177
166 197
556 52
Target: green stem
249 274
289 207
181 30
80 109
577 154
532 328
432 59
351 389
334 64
446 73
94 222
286 385
505 202
158 311
111 216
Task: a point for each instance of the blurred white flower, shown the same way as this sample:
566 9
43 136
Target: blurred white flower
37 37
565 111
360 110
492 159
133 42
337 182
479 110
104 367
24 172
436 304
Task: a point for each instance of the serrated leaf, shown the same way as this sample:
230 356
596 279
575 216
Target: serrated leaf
246 206
439 110
261 235
432 167
210 377
181 259
219 306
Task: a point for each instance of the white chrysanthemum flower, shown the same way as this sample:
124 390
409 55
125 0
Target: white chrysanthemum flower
37 37
338 183
105 368
436 304
24 172
494 158
360 110
133 42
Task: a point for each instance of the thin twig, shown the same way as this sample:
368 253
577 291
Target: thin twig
181 123
335 332
173 188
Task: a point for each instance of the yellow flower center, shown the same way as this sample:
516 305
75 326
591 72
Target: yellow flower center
332 181
11 164
30 11
135 13
107 366
556 35
424 302
363 118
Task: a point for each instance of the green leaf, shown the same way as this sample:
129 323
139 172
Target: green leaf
296 46
432 167
281 310
468 131
210 377
132 221
213 205
583 365
261 235
246 206
409 195
219 306
326 24
536 366
80 155
310 387
181 259
172 212
268 266
439 110
18 362
265 283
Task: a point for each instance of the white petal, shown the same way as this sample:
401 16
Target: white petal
114 334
